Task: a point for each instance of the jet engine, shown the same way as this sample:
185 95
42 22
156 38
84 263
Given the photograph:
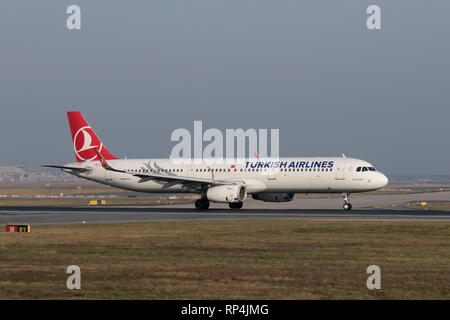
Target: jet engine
273 197
227 193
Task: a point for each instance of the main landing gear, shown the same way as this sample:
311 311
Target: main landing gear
235 205
347 205
202 204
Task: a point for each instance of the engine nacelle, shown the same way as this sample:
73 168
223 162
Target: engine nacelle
273 197
227 193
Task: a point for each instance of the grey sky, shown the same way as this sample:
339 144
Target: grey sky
140 69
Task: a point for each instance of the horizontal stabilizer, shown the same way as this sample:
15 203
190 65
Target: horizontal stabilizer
66 168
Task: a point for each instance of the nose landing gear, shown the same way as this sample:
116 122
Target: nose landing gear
347 205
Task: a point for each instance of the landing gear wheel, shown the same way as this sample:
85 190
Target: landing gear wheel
347 206
202 204
236 205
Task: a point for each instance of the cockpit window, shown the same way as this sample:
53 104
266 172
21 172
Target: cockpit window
364 169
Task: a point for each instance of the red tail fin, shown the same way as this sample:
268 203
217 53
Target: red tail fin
85 141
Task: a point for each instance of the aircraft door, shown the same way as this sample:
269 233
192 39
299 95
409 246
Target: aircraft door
190 170
340 170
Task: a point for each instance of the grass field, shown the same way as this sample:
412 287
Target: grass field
233 259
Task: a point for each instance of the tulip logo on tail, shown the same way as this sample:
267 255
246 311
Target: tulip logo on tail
85 142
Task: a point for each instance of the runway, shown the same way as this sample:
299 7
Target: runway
365 207
70 215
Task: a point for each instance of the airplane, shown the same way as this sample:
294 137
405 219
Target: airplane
268 179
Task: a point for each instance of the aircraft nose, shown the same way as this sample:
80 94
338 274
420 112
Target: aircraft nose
383 180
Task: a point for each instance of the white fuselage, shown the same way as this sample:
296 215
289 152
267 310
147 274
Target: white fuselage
294 175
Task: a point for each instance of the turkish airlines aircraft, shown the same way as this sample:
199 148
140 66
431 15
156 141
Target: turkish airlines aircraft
271 180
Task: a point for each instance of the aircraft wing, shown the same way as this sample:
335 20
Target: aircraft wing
189 183
170 179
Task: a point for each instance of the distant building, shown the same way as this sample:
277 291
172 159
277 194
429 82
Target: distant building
11 174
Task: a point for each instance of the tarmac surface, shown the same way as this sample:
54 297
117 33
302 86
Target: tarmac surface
365 207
